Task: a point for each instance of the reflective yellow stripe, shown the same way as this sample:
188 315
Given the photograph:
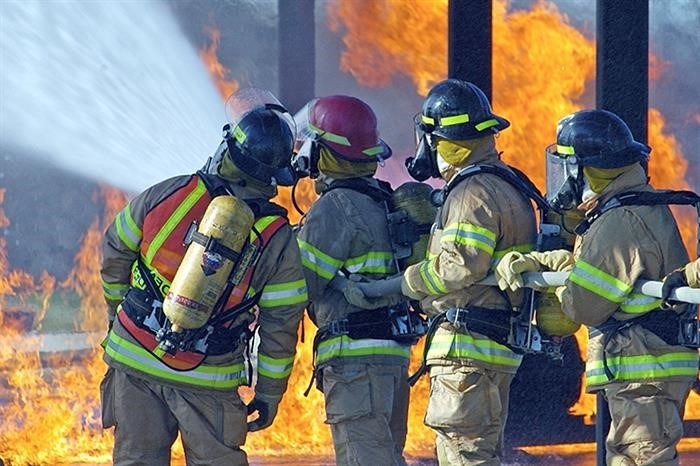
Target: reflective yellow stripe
137 357
454 345
344 347
174 219
317 261
127 230
275 368
284 294
643 367
486 124
565 150
454 120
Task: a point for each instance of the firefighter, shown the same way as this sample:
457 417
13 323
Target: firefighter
361 371
482 217
164 380
636 357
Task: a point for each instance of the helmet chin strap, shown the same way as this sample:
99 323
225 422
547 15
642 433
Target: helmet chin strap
213 163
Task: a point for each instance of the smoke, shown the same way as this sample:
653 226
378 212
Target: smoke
109 90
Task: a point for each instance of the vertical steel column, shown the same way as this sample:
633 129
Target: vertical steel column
622 61
297 52
469 42
622 87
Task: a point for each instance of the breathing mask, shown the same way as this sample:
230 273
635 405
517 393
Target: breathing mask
423 164
565 181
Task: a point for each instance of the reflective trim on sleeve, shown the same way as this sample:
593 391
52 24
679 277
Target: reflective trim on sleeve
284 294
470 235
599 282
643 367
135 356
114 291
127 230
371 262
428 273
454 345
638 303
275 368
317 261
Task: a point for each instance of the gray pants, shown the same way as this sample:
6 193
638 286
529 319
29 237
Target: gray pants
646 423
367 409
467 409
147 417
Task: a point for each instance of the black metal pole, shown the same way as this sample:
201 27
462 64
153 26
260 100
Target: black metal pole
622 61
297 52
622 87
469 42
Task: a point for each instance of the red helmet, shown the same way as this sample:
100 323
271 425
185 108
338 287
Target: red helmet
348 127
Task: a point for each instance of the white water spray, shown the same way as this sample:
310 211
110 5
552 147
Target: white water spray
109 90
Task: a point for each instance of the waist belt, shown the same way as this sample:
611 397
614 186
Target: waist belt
492 323
664 323
397 323
147 313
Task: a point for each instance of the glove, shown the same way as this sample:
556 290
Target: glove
673 280
266 406
559 260
510 269
371 294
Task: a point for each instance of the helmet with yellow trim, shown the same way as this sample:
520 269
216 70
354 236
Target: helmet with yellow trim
588 138
458 110
598 138
260 136
347 127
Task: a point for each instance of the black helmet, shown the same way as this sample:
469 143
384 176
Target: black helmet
458 110
600 139
260 136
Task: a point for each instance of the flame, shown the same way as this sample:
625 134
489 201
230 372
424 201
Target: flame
218 72
378 40
52 416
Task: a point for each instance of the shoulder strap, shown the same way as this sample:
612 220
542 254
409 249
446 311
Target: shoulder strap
511 175
666 197
378 194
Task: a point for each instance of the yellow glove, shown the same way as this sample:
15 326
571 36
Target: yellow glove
510 269
559 260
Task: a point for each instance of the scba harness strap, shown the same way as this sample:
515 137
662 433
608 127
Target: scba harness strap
144 319
492 323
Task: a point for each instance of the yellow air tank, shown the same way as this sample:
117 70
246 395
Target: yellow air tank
551 319
201 277
414 198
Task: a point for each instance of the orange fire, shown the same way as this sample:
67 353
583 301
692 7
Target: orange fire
52 416
218 72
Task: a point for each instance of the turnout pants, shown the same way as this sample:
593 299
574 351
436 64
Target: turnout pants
467 409
646 422
147 417
367 409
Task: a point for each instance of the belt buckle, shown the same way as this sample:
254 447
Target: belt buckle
339 327
454 314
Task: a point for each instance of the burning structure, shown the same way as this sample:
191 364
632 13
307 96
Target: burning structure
48 400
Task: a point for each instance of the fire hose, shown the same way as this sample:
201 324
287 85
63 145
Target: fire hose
539 280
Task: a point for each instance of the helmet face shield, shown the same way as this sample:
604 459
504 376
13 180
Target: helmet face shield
564 179
260 136
241 103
